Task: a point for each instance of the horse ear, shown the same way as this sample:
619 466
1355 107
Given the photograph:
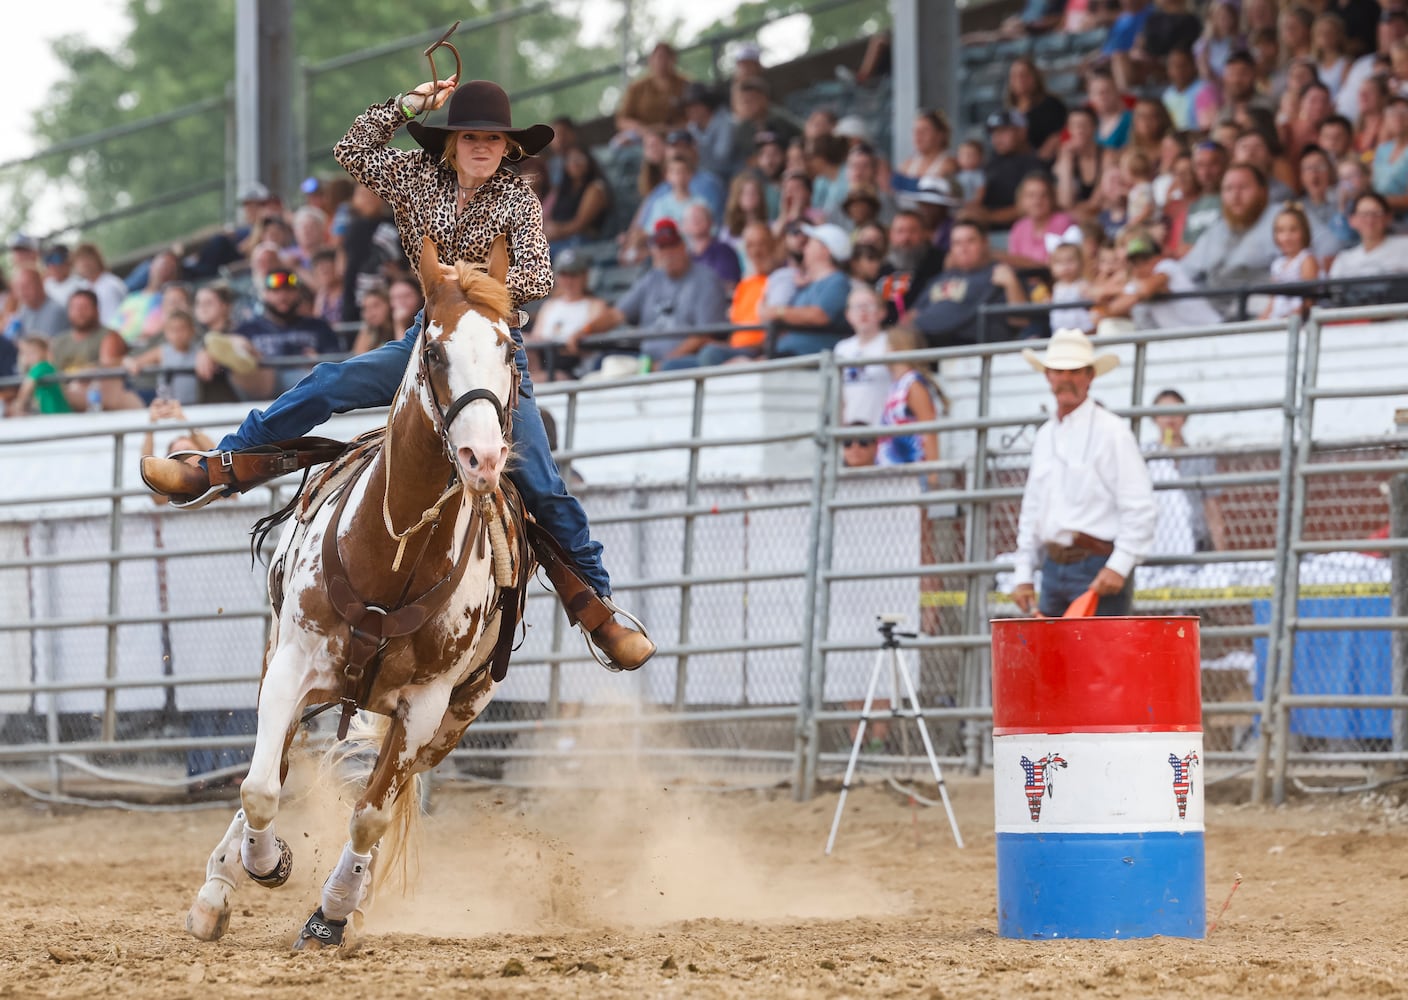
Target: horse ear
498 259
429 265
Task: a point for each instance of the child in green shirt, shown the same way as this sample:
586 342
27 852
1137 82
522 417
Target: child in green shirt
47 397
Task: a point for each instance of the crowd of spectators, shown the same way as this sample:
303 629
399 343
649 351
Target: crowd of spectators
1207 149
233 320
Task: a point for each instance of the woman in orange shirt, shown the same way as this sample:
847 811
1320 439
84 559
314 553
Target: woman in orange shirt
761 250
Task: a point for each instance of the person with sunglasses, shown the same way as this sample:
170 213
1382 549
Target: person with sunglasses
459 190
281 331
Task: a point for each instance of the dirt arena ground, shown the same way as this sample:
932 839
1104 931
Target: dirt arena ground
680 891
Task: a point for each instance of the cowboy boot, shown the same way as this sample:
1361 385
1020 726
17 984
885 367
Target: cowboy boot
186 485
626 648
226 473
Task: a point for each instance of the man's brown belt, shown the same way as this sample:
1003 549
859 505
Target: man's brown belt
1082 547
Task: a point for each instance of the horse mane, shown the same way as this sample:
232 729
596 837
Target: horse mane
484 293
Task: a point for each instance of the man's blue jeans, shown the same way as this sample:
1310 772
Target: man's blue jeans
1063 583
372 379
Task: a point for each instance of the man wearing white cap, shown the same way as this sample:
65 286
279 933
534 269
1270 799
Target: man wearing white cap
1088 509
818 306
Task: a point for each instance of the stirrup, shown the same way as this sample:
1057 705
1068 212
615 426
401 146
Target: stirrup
597 654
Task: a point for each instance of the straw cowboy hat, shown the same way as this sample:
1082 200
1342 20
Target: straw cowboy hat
1070 350
477 106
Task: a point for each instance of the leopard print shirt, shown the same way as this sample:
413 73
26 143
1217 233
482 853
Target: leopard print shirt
422 191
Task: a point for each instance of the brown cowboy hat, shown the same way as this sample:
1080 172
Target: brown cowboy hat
477 106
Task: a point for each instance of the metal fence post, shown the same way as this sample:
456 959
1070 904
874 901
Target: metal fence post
1136 387
1398 528
114 592
1288 486
816 593
691 495
975 548
1290 601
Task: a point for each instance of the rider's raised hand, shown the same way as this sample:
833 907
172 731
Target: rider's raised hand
431 94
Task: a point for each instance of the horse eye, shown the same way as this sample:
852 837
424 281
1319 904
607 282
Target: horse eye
435 354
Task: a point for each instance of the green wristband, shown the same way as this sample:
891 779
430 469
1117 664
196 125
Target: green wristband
406 109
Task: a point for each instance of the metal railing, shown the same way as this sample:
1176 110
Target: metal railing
760 579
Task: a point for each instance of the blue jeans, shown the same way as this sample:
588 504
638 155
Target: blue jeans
795 342
1063 583
710 355
372 379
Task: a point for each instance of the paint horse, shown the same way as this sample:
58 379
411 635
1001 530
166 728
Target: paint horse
392 593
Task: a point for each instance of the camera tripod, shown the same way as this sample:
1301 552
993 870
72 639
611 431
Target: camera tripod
888 656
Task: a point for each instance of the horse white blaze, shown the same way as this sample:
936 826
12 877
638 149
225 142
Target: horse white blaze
476 353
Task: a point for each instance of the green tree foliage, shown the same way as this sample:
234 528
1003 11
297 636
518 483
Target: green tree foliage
178 54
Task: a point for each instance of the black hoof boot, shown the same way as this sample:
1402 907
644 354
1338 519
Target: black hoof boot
320 932
282 870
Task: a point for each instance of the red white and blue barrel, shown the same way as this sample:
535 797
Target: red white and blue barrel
1097 745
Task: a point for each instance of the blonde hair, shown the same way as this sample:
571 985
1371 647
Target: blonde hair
1068 249
1137 165
905 337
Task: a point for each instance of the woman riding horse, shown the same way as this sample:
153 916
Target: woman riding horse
457 191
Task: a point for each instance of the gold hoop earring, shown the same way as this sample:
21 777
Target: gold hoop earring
515 154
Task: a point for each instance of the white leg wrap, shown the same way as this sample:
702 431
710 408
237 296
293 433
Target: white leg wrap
259 850
224 863
344 888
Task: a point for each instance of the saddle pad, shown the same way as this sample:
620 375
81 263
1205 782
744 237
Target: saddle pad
341 471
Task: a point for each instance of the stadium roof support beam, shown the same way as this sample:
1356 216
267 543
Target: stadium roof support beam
925 58
264 96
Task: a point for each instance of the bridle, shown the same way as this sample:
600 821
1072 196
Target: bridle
432 356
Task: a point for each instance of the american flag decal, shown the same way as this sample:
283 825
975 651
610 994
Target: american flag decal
1038 783
1183 779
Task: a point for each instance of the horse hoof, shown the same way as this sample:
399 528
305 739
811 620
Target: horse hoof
209 916
319 933
281 871
205 924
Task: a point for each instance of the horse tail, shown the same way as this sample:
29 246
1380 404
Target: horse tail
349 763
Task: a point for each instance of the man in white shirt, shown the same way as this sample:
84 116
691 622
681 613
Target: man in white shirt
1088 509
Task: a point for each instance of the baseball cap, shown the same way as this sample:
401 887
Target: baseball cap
927 191
665 234
255 192
1140 245
56 254
20 241
834 238
853 127
697 93
680 136
310 185
749 52
1006 119
571 261
766 137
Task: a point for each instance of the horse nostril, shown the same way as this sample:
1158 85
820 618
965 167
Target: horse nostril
469 458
